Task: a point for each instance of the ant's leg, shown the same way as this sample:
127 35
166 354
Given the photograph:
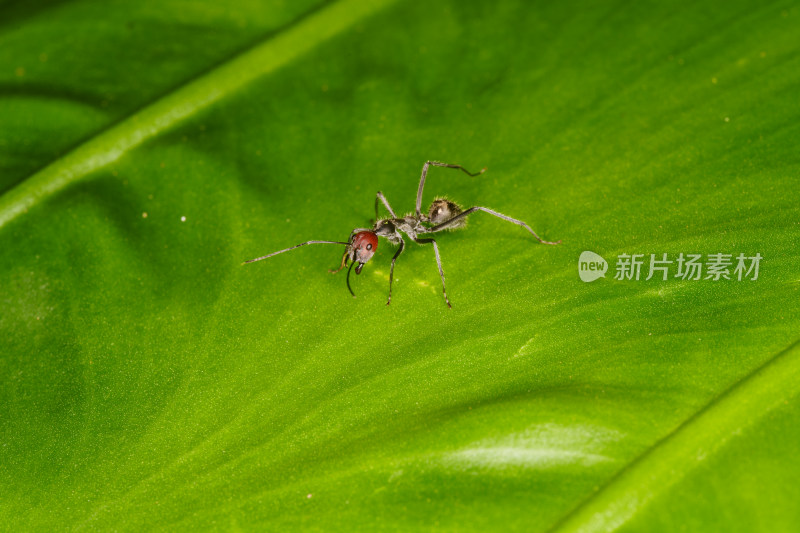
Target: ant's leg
383 199
391 270
425 173
439 263
458 218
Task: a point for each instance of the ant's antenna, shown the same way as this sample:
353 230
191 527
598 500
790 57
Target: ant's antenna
293 247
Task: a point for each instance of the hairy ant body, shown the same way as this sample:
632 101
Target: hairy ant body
442 215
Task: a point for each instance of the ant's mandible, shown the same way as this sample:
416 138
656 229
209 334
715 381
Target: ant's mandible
442 215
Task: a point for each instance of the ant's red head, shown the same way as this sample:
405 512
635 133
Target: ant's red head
362 247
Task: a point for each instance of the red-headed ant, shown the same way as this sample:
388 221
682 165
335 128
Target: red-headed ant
442 215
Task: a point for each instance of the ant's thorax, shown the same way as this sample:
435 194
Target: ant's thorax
391 228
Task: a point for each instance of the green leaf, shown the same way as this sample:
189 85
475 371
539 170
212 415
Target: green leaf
151 381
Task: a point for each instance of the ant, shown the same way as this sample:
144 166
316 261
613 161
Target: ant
442 215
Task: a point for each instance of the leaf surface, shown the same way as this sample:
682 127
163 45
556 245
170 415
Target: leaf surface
151 381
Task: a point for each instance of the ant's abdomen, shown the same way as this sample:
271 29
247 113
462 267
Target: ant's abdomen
443 210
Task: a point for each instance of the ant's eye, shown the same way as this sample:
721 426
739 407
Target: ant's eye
369 247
